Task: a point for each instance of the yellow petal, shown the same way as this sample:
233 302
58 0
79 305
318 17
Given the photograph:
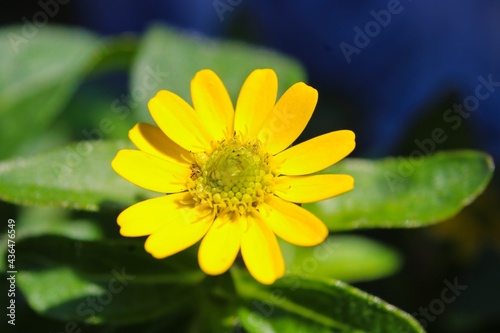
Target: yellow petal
293 223
220 246
179 121
261 252
151 172
303 189
150 139
289 117
255 102
145 217
213 104
315 154
184 227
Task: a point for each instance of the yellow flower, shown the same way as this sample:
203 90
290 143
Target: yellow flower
228 177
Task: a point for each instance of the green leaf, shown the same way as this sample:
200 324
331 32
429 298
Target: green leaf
78 176
97 114
117 53
169 59
41 69
404 192
118 283
34 221
345 257
96 282
313 305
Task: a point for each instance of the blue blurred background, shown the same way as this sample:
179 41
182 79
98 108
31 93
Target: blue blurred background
394 72
383 68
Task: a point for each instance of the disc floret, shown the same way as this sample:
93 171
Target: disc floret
235 177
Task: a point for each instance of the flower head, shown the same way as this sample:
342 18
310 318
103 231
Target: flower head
228 178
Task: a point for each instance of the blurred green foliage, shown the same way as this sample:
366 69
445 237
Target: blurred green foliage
73 268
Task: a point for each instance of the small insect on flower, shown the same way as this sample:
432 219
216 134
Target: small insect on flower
195 171
232 180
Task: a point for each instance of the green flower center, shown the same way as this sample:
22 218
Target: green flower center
235 176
